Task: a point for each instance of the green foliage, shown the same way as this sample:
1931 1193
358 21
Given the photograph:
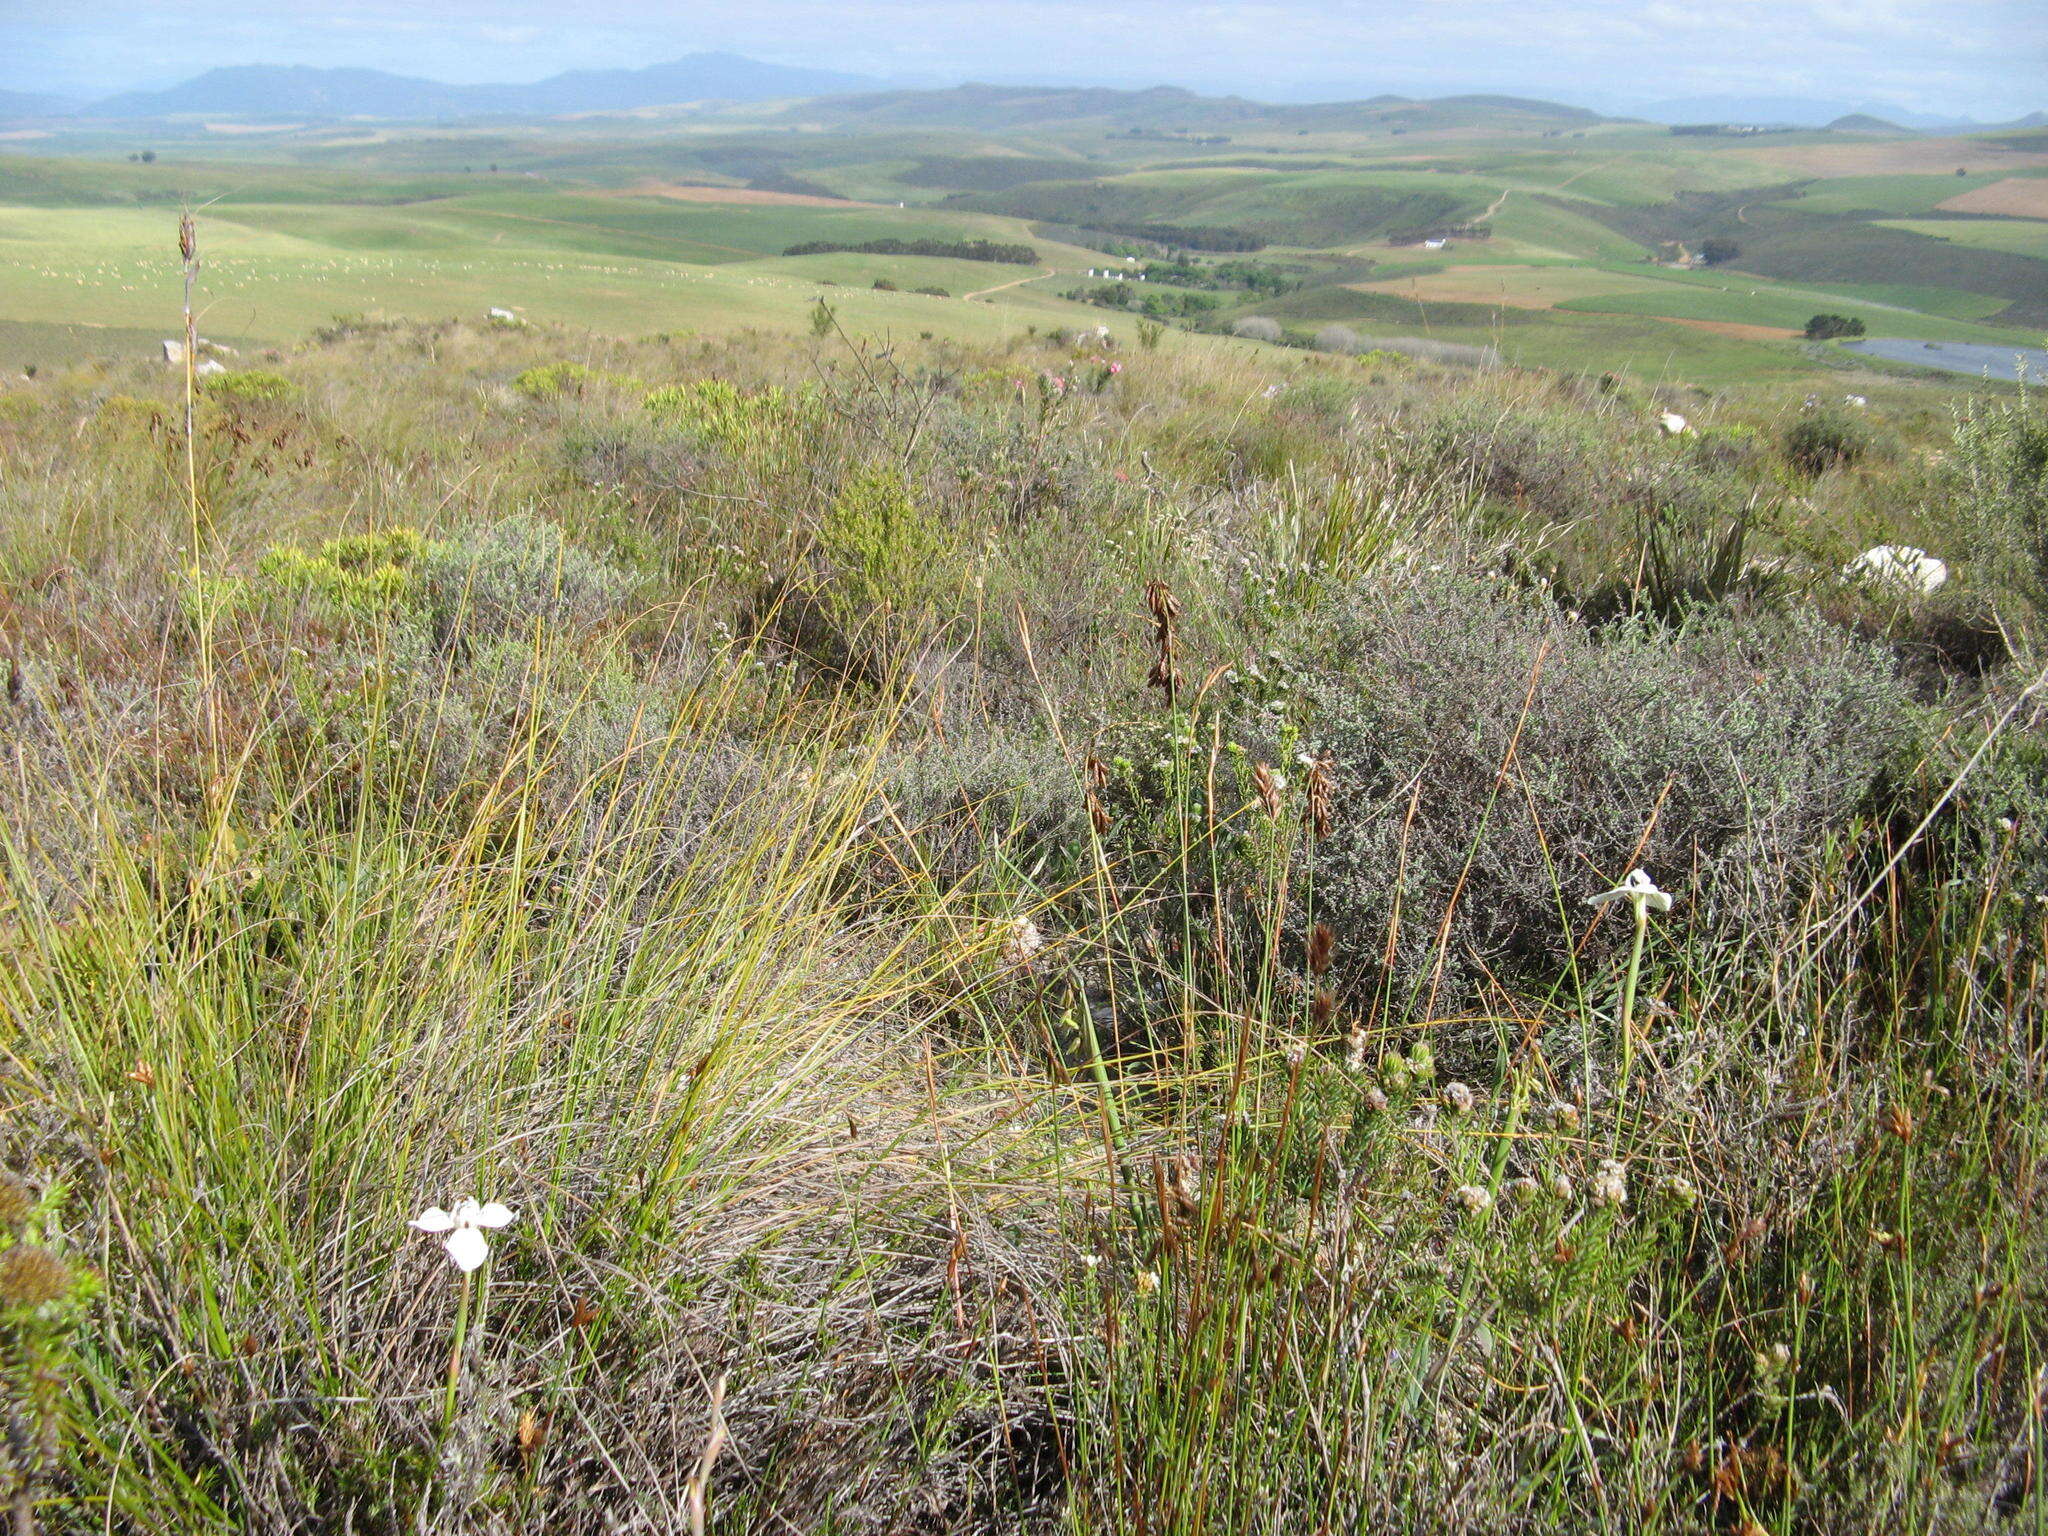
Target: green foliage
1827 438
723 412
1997 469
956 250
516 575
44 1300
1828 327
357 575
549 381
252 386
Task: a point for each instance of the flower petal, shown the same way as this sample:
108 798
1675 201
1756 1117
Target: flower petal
433 1219
1607 896
1658 901
466 1246
465 1212
495 1215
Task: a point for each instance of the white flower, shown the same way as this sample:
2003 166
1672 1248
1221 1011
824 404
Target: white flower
1147 1281
1610 1184
1475 1197
1639 890
464 1226
1022 942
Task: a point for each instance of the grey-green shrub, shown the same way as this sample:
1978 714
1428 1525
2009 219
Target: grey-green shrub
1338 338
1720 757
1257 328
514 574
1998 471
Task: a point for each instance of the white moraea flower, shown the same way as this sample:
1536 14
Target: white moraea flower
1639 890
462 1229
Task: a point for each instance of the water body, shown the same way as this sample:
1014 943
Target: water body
1983 359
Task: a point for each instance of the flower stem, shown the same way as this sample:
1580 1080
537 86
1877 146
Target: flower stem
455 1357
1628 1003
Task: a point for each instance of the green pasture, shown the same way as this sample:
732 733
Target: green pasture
1900 194
2019 237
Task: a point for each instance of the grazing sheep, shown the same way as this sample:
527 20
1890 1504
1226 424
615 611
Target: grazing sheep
1671 424
1898 565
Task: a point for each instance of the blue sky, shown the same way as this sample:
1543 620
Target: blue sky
1986 59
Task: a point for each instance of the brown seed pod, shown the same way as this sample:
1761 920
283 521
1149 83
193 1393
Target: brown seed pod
1322 947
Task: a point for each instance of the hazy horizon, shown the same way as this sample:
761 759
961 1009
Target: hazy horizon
1982 60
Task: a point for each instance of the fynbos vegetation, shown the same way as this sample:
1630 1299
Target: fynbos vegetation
787 935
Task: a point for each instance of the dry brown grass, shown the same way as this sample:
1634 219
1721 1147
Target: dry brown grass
2023 197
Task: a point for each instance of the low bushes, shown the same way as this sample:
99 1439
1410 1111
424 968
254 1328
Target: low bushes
1498 761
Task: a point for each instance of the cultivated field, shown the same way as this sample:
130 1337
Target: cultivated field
680 225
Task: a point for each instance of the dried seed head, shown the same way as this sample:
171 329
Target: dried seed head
1269 784
1458 1097
1324 1007
1476 1198
16 1200
188 238
1561 1185
1322 784
30 1276
1322 948
1165 611
1524 1188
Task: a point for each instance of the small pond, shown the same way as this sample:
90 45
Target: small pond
1984 359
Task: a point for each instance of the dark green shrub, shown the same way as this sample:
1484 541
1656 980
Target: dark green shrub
1821 440
1828 327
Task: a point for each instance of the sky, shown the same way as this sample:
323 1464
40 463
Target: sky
1981 59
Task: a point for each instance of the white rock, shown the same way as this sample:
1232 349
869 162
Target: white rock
208 366
1671 424
174 351
1898 565
1856 400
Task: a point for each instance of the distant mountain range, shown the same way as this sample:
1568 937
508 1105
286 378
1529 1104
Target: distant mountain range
1795 111
298 91
1171 110
828 98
